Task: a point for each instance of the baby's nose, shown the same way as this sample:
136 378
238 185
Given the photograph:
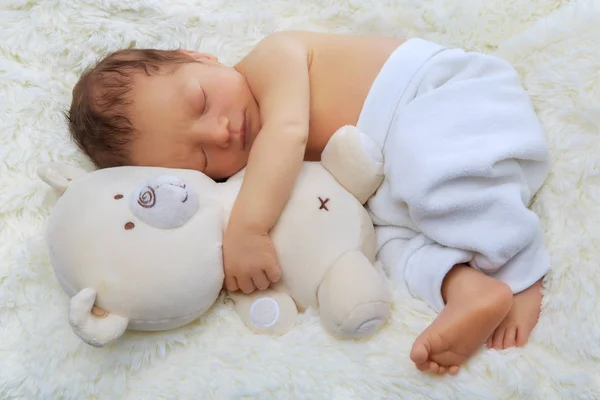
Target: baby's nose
219 133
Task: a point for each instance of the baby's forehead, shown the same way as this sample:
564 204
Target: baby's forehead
154 99
162 75
155 85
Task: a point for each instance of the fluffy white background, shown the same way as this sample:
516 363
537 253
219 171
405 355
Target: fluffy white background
44 45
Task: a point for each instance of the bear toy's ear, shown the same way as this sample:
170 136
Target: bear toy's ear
58 176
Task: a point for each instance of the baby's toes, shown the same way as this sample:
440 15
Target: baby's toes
510 337
434 367
453 370
424 366
521 337
498 339
420 351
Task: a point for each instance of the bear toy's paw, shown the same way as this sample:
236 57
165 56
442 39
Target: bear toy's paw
266 311
364 321
95 330
371 148
355 299
355 161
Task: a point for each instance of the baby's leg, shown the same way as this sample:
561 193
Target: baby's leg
466 154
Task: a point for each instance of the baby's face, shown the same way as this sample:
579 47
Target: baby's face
202 116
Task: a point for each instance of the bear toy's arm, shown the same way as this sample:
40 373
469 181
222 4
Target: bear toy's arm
355 161
95 330
268 311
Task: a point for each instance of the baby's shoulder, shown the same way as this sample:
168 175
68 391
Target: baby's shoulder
275 60
270 49
277 50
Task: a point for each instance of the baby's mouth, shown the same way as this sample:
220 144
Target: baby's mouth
244 131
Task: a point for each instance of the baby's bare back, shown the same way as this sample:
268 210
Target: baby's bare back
342 69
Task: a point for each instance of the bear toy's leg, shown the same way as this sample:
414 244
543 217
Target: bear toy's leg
270 311
354 298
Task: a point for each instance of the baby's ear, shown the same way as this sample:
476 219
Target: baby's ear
58 176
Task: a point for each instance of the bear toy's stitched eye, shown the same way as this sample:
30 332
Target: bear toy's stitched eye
164 202
118 196
147 197
129 226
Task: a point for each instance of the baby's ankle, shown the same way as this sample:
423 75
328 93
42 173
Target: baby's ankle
464 282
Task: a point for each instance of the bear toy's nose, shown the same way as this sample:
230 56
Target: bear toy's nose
164 202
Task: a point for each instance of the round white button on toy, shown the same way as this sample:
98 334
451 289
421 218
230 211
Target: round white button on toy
264 312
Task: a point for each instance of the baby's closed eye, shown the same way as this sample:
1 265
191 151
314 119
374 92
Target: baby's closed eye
200 101
195 99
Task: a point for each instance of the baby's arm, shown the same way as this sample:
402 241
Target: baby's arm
277 72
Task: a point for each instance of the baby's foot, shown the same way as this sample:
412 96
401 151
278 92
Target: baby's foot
475 305
520 321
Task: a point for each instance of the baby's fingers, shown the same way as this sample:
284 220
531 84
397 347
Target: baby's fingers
231 283
260 280
246 285
273 272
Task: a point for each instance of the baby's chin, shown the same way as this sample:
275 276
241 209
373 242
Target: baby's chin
225 175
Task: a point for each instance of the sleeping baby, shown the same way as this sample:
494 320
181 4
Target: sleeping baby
464 155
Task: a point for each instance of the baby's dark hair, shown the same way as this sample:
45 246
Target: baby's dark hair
99 119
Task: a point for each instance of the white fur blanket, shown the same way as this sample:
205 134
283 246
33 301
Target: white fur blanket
555 44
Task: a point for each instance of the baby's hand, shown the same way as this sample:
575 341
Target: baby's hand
249 260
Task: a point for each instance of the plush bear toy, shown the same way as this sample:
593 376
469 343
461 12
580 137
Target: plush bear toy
140 247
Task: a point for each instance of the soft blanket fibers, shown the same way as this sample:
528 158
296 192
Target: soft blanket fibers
45 44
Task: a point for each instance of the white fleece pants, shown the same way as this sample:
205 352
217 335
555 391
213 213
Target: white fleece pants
464 154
